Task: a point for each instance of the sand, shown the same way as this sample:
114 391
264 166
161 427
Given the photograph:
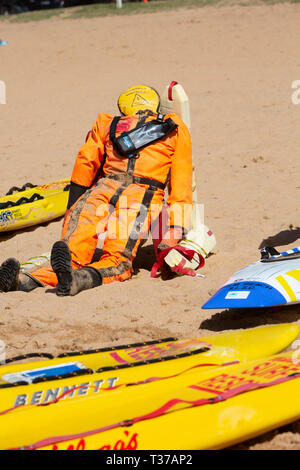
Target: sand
237 65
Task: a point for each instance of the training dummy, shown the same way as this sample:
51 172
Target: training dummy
117 189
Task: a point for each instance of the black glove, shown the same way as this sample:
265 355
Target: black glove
76 191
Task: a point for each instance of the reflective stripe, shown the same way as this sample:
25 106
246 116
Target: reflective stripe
286 287
75 214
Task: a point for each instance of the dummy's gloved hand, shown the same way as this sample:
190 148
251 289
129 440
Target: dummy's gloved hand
179 260
187 256
182 260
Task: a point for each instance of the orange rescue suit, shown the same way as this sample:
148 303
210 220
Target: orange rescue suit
124 196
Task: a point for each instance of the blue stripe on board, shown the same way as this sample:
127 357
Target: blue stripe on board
288 252
249 294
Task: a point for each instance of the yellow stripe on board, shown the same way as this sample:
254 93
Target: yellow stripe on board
295 273
286 287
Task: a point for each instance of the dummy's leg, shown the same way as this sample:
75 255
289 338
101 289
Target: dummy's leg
132 228
79 231
71 261
114 264
11 279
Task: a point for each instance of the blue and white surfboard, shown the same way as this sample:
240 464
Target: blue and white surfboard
272 281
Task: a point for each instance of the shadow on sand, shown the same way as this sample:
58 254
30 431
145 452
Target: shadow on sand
4 236
285 237
235 319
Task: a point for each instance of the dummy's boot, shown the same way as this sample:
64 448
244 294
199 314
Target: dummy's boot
11 279
71 281
9 275
27 282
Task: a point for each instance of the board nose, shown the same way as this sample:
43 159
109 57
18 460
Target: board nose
245 295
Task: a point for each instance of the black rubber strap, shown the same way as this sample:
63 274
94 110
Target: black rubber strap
115 198
15 189
88 351
131 165
268 251
168 177
138 223
100 172
22 200
153 184
113 127
128 179
109 368
28 356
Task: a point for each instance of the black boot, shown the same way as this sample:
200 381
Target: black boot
11 279
9 275
71 281
27 283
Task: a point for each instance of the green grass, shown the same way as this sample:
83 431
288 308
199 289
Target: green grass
90 11
129 8
36 15
32 16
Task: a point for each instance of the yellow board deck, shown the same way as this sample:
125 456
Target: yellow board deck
75 401
187 417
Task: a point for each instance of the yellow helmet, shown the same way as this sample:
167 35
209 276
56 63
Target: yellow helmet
138 98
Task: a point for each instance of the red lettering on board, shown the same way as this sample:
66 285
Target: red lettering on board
132 444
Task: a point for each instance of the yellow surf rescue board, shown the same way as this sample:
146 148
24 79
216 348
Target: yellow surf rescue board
199 410
33 206
169 360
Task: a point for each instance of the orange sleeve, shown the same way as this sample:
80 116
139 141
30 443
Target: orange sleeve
90 156
180 198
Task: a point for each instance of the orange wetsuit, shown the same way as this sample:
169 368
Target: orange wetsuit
123 196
